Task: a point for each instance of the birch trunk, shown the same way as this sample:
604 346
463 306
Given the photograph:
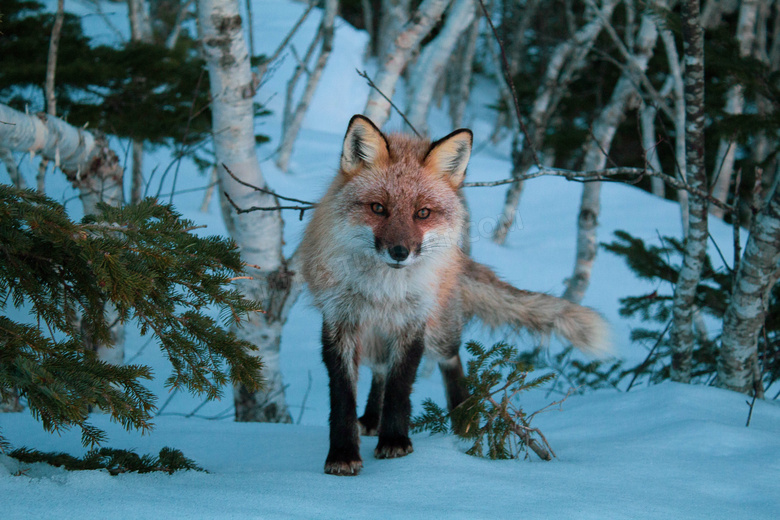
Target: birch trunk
393 15
675 71
682 335
758 272
603 133
10 165
432 61
51 72
258 234
566 61
86 160
514 28
735 103
461 73
295 121
408 41
647 115
140 31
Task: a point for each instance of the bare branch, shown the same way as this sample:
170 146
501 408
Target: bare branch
267 191
508 78
604 175
371 84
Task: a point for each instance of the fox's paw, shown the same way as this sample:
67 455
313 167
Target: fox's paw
344 469
367 427
393 447
345 462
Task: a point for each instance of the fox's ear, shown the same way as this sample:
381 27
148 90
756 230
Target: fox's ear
364 144
450 156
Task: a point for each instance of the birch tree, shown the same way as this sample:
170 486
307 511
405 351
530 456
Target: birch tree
140 31
406 43
735 103
258 234
430 65
293 119
89 164
596 150
393 14
682 334
568 58
758 272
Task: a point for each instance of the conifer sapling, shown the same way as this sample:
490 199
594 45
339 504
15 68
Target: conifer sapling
145 261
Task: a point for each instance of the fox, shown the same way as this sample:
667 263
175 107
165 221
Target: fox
384 261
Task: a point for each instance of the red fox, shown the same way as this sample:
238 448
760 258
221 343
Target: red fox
383 261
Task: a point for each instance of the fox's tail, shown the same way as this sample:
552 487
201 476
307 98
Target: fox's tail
496 303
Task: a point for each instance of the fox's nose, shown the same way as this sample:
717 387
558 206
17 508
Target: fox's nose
398 253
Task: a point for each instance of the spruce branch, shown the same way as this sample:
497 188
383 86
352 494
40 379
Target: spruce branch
490 418
144 261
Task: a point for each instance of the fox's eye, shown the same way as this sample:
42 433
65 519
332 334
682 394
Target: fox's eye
378 208
423 213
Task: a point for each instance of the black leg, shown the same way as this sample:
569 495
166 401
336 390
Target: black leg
369 422
394 425
455 387
340 356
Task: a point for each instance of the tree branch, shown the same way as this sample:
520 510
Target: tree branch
364 74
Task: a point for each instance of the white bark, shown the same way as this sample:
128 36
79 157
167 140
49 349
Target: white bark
675 71
735 103
173 36
293 124
408 41
681 334
647 115
258 234
88 163
566 61
430 65
459 82
596 150
758 272
10 165
140 31
517 24
140 25
393 15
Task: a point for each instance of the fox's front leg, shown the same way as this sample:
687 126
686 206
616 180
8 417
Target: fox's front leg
340 354
397 407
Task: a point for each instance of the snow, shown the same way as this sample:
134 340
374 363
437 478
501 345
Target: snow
665 451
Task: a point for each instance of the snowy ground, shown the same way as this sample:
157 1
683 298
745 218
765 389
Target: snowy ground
668 451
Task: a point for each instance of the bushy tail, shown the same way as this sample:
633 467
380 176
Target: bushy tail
496 304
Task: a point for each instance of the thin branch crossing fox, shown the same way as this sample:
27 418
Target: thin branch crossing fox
383 260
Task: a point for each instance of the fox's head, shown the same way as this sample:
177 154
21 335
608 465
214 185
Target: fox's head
403 190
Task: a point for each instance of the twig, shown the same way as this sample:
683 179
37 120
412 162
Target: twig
720 253
604 175
167 401
646 362
524 432
508 78
239 210
750 412
305 398
302 209
267 191
364 74
283 44
735 224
